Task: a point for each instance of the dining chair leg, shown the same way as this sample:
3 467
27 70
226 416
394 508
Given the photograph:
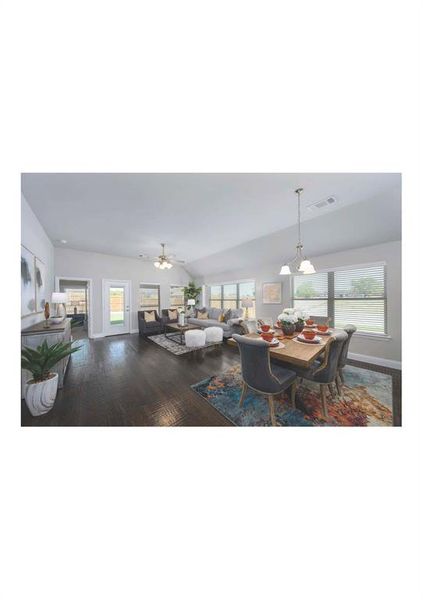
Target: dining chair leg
341 375
243 393
272 411
293 392
332 390
323 398
339 385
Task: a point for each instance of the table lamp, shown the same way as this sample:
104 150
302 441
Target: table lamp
59 299
246 303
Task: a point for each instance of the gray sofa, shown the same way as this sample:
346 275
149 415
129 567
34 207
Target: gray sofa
231 325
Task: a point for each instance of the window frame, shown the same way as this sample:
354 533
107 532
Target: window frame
221 299
177 306
147 286
332 299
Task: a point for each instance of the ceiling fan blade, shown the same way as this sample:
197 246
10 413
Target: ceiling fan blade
179 262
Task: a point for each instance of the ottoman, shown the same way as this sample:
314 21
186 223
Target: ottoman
214 335
195 338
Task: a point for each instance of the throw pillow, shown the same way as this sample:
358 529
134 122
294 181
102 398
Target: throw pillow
202 315
173 314
149 316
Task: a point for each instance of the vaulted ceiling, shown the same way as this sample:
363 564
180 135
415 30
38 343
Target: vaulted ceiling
200 215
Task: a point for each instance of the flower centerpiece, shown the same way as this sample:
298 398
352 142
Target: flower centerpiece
302 317
287 321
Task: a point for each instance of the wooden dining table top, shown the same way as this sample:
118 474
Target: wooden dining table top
294 352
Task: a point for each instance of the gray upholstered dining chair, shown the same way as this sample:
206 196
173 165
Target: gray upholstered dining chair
258 375
325 372
349 330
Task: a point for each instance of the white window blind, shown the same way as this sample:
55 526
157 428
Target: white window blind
360 298
149 297
356 296
311 294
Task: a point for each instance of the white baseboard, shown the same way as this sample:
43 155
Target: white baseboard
134 331
375 360
97 335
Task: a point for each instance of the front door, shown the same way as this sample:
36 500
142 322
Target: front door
117 313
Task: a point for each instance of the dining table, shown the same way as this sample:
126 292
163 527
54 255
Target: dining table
293 351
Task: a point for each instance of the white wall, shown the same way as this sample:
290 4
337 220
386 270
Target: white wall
387 349
91 265
35 239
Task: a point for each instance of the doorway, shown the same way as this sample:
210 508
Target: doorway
116 306
78 304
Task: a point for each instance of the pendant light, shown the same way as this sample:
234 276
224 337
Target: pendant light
299 263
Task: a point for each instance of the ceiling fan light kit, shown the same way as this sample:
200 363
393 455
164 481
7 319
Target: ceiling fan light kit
300 263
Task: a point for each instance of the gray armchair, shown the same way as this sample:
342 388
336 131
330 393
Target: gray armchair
259 376
149 327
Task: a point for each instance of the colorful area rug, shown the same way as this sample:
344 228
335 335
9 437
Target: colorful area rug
367 401
174 347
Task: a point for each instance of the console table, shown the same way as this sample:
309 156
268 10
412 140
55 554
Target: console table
35 335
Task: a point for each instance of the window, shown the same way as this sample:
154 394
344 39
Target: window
356 296
216 296
149 297
230 295
177 296
311 293
360 298
77 301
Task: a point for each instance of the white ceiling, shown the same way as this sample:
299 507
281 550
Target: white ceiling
196 215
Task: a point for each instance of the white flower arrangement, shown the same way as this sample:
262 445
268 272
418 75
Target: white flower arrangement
287 318
300 314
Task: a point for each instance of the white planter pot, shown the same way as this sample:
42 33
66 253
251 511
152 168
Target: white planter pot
40 397
181 320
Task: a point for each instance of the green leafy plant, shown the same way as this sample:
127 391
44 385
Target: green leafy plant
191 292
40 361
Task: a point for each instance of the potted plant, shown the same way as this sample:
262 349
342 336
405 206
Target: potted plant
41 390
287 322
191 292
301 315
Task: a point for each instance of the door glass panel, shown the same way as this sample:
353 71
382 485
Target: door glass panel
116 305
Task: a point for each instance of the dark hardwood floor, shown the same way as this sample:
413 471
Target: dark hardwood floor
128 380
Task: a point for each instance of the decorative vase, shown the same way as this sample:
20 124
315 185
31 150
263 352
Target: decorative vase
181 319
299 325
288 328
40 397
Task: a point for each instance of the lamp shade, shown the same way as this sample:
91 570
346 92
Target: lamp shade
59 297
191 302
246 303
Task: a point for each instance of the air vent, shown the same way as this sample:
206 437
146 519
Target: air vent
322 204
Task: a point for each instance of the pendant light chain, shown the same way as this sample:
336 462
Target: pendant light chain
299 263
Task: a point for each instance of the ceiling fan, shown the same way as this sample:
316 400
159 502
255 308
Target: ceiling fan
163 261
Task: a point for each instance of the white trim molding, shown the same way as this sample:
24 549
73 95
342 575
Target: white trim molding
376 360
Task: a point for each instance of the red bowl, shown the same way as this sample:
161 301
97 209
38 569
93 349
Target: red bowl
265 328
267 337
322 328
309 335
309 322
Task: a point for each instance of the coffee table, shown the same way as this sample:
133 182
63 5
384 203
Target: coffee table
176 332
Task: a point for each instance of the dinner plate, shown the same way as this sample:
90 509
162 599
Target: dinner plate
261 331
315 340
328 332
